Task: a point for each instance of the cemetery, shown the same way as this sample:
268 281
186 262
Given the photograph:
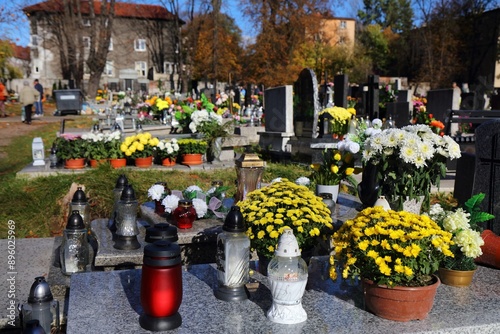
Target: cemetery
275 257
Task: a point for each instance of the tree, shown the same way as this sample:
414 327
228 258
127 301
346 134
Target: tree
394 14
100 36
284 27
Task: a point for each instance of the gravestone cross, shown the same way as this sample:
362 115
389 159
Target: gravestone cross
487 171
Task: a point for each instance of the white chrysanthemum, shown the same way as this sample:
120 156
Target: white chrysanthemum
426 150
303 181
341 145
408 154
156 192
456 220
278 179
200 206
419 161
353 147
170 202
193 188
470 242
436 212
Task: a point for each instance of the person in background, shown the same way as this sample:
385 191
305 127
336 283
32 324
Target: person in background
38 104
3 98
28 96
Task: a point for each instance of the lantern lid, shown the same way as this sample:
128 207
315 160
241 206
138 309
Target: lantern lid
185 202
287 244
161 231
234 221
79 196
249 160
128 193
121 182
75 221
162 253
40 291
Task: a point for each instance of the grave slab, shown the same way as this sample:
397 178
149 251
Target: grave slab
331 307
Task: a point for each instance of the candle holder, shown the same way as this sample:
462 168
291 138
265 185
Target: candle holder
121 182
41 305
233 254
287 274
185 214
74 254
126 221
79 203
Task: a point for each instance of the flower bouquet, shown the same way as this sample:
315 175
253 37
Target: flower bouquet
139 146
339 119
408 161
423 117
70 146
462 224
337 164
269 210
390 248
192 146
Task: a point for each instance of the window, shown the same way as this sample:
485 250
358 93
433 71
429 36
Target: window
34 40
140 45
343 25
36 66
110 47
86 42
86 22
108 69
341 40
141 67
169 68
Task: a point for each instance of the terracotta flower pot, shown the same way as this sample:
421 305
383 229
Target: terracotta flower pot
118 163
75 163
491 249
458 278
400 303
192 159
168 162
143 162
95 163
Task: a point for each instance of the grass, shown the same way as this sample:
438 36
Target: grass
35 204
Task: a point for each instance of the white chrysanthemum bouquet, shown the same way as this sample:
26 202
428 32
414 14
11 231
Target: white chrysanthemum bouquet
167 148
409 161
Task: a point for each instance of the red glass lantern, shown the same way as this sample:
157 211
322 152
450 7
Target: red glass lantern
185 214
161 286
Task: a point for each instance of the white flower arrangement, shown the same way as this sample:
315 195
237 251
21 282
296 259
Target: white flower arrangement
170 202
167 148
409 160
200 118
303 181
200 206
156 192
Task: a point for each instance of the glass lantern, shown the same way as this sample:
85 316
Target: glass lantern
185 214
75 253
38 152
121 182
79 203
41 305
287 274
232 258
126 221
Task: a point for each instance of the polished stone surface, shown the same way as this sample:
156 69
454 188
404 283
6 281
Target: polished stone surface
332 307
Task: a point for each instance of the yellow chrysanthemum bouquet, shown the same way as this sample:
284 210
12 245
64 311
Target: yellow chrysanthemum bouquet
139 146
339 119
268 210
389 248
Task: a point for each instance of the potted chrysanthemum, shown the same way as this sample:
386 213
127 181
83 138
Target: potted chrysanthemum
392 253
167 151
338 119
141 148
269 210
462 223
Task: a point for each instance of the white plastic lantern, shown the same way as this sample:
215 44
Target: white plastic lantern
287 274
38 152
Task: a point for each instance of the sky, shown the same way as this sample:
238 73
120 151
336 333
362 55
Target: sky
18 30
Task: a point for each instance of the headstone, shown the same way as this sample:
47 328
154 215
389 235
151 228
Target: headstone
308 106
495 102
438 102
467 101
340 86
372 96
278 118
463 177
399 112
487 171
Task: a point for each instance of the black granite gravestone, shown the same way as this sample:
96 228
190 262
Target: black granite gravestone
340 86
467 101
438 102
464 177
372 96
307 103
487 170
399 112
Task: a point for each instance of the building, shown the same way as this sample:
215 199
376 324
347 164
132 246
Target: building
339 31
142 45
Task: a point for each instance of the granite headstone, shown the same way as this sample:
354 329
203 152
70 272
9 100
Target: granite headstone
438 102
340 86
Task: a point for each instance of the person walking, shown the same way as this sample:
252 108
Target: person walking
28 96
39 103
3 97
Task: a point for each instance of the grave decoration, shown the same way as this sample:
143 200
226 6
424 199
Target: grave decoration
79 203
287 274
74 252
232 258
126 221
338 120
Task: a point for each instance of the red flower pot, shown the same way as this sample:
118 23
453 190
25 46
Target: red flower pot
95 163
192 159
143 162
75 163
118 163
168 162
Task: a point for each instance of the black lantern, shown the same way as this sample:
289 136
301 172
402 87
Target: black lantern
41 306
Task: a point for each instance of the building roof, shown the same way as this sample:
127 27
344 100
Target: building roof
21 52
122 9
